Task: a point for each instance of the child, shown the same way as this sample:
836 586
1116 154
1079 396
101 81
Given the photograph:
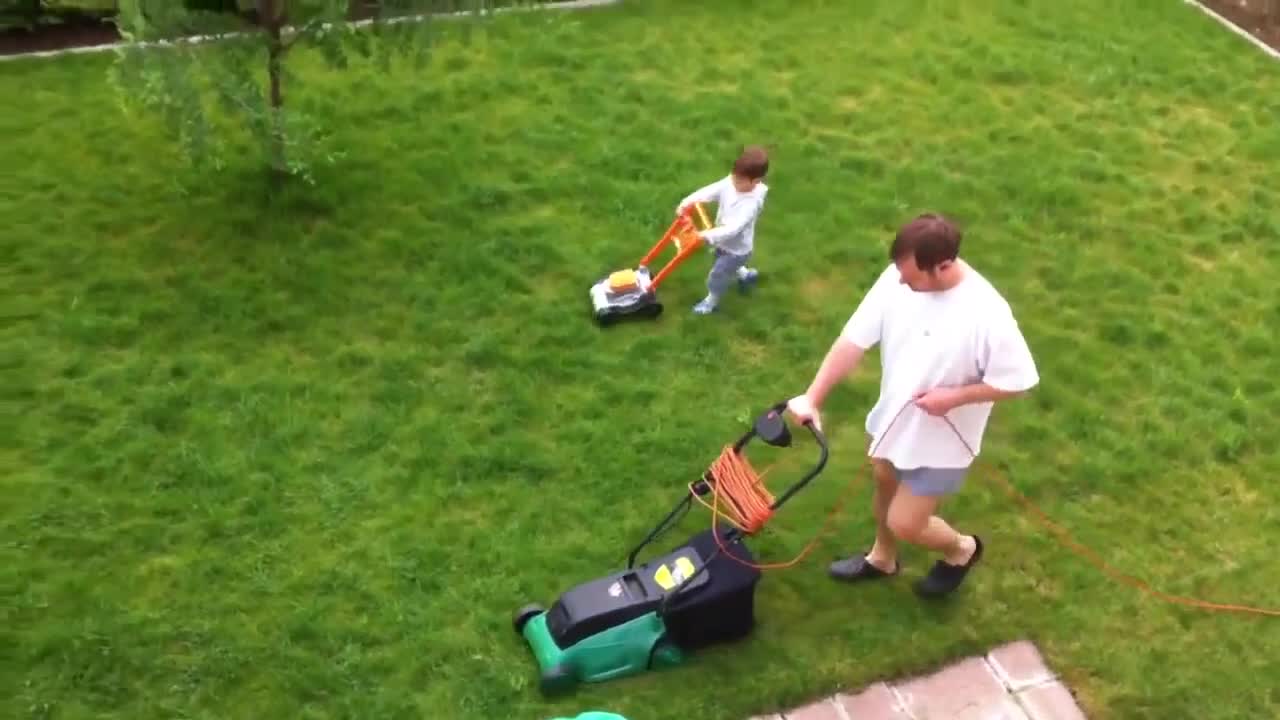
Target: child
739 198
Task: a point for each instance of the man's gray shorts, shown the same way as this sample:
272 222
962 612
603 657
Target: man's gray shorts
926 481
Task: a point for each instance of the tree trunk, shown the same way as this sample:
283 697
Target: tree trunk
272 16
32 10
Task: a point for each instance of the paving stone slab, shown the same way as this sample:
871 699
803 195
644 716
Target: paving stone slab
1019 665
966 690
1052 701
875 702
1010 682
824 709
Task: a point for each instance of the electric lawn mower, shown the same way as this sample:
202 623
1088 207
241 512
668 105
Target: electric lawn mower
633 292
701 593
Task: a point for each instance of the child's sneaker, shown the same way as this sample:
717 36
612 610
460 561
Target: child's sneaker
747 279
706 307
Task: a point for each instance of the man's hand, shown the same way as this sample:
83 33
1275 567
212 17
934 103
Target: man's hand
804 411
939 401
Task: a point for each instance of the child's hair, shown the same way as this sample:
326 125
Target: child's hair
753 163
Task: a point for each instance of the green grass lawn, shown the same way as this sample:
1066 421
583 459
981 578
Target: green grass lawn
303 458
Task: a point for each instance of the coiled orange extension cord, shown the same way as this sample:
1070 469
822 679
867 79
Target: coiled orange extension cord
750 504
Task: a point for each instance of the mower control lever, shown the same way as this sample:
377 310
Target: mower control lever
772 428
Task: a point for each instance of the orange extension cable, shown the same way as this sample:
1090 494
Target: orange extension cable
749 501
1066 539
750 504
749 508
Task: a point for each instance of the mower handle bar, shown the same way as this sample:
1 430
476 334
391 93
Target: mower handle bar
783 439
777 423
774 422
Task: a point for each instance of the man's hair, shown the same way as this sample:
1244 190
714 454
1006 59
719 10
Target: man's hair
930 238
752 164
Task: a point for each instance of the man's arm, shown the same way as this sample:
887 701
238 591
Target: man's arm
981 392
861 333
1008 371
841 359
940 401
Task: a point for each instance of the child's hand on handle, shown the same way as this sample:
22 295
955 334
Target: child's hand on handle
804 411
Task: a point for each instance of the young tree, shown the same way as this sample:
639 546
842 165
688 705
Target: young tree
241 74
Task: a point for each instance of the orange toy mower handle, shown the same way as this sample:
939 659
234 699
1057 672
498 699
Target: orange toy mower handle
683 234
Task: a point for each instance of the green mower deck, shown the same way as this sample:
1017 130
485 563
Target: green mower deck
627 649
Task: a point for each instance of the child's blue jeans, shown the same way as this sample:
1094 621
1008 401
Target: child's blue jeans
725 271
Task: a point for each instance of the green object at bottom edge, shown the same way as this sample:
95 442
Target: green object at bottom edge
594 715
616 652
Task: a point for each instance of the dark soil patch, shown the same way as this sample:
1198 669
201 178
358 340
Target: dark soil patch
68 31
1259 18
75 29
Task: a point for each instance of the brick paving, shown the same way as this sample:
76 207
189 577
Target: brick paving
1011 682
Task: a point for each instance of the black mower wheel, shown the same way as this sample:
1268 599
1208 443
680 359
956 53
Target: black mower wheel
557 680
524 615
664 654
652 311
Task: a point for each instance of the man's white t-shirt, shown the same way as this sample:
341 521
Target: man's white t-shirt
927 340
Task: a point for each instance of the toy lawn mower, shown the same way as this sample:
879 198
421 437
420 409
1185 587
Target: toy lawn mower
656 614
633 292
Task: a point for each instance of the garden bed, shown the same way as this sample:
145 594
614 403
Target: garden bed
1259 18
59 31
70 28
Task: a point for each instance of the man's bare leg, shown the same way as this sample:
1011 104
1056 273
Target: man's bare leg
882 559
912 519
884 553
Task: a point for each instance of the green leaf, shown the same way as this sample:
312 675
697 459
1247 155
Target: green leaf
200 93
331 44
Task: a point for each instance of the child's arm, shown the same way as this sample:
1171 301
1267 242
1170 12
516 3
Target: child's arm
704 194
737 220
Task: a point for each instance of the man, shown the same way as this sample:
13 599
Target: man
950 348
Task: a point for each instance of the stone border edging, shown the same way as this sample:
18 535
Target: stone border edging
1011 682
197 39
1275 54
